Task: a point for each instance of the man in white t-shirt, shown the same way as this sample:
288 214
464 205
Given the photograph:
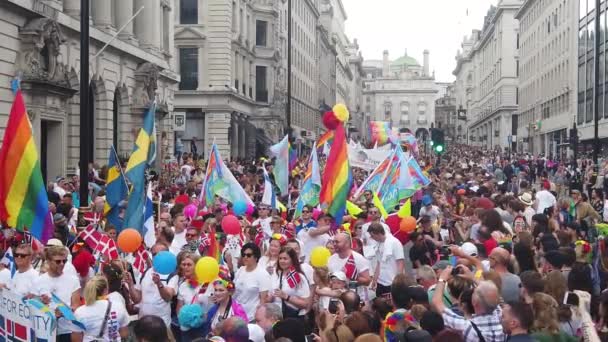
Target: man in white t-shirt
428 209
369 245
312 237
56 282
353 264
544 199
263 222
388 261
23 282
179 239
154 291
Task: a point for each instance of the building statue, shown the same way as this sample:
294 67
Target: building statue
146 83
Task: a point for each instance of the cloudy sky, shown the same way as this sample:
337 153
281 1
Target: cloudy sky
415 25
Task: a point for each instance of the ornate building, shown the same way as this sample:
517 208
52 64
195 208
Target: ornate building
401 92
41 44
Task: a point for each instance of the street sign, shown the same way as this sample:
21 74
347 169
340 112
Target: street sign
179 122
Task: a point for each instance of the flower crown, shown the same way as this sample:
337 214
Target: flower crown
228 284
585 246
279 237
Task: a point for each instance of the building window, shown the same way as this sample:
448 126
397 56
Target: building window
188 12
261 91
261 30
188 68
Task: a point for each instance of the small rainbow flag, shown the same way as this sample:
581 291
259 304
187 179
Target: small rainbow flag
293 157
23 198
326 138
337 178
380 132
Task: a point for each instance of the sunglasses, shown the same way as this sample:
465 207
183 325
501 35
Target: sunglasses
247 255
305 212
60 261
20 255
373 212
191 235
263 208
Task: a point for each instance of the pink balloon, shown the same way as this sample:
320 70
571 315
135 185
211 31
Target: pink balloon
231 225
250 209
190 211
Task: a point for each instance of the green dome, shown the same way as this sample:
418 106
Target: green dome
405 61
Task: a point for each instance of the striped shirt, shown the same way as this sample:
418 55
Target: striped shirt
489 325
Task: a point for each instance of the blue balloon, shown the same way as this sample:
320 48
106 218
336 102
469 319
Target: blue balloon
239 208
164 262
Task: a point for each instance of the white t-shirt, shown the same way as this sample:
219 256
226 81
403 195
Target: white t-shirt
369 244
187 294
387 254
63 287
92 316
117 300
248 286
267 264
336 264
5 277
179 240
24 283
302 290
308 272
310 242
544 199
151 301
433 213
264 223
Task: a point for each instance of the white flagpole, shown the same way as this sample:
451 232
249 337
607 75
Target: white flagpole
118 32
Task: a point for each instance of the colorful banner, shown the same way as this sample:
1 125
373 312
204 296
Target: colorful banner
25 321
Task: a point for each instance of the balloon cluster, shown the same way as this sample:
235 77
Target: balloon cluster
339 114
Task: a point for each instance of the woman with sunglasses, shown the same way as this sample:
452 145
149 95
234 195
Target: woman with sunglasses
291 287
251 280
64 286
225 305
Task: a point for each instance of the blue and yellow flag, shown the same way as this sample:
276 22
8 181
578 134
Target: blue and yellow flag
116 190
144 154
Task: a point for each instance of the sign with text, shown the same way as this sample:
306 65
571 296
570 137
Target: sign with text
21 321
179 122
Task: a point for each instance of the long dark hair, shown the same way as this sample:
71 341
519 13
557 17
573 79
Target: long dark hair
294 259
524 256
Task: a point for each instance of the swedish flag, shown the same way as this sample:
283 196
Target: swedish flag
116 190
144 154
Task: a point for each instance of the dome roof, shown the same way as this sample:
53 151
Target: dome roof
405 61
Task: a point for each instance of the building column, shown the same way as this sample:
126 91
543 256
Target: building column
102 13
243 140
237 19
147 28
72 8
217 127
123 11
234 139
236 71
252 79
245 78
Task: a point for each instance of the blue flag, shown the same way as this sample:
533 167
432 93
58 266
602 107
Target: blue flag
116 190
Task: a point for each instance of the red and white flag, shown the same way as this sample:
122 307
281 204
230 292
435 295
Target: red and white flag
107 247
141 259
91 236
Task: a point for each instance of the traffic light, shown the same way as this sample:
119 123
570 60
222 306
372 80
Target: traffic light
437 140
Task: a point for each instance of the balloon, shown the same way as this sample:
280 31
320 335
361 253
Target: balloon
319 256
129 240
330 121
207 270
393 222
341 112
164 262
408 224
250 209
231 225
239 208
190 211
316 213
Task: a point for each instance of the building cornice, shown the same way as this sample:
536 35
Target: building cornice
524 7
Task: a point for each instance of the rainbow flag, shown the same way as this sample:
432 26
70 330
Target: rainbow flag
337 178
293 157
219 181
23 198
281 165
380 132
374 180
326 139
311 185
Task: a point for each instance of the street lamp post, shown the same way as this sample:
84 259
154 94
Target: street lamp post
596 62
288 106
85 134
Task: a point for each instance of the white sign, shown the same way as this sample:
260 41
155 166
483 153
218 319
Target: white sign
366 159
20 321
179 122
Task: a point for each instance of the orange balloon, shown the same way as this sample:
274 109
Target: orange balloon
129 240
408 224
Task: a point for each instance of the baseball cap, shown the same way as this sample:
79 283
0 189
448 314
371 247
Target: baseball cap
54 242
338 275
469 249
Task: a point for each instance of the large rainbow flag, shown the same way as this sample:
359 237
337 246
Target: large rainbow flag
337 178
23 198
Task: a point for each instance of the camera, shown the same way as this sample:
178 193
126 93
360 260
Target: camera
333 306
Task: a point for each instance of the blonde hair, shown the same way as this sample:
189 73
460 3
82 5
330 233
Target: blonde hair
94 288
545 314
322 274
52 251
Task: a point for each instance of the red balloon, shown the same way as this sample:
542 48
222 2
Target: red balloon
408 224
330 120
231 225
393 221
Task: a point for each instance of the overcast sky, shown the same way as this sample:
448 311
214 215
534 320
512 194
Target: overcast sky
394 25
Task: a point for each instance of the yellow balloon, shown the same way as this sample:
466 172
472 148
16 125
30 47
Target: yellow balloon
207 270
341 112
319 256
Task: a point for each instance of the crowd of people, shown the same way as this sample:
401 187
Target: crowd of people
506 248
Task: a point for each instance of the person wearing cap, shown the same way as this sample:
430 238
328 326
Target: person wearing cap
526 199
544 198
388 260
262 223
428 209
313 236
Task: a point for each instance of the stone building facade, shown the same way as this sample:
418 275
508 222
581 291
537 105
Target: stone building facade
41 44
401 92
547 75
490 80
446 115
